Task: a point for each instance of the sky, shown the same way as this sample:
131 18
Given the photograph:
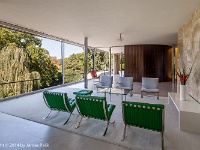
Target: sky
54 48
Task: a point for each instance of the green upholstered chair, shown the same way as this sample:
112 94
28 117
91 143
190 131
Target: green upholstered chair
94 107
60 102
83 92
143 115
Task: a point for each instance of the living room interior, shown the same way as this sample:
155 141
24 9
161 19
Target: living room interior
157 40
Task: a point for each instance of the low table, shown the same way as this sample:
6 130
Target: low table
83 92
189 112
117 91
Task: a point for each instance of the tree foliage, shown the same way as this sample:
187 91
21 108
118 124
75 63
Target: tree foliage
22 40
14 70
36 58
74 64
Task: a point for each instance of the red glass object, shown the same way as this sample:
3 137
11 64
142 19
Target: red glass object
93 73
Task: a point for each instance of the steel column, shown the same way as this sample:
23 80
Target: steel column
114 64
121 63
63 63
110 62
85 62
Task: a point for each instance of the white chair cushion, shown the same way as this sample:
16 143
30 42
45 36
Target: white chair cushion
150 84
105 82
149 90
125 83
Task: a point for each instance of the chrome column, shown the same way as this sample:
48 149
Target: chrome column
110 62
85 62
63 62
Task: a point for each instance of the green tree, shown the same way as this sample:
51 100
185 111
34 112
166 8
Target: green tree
37 58
12 69
74 64
22 40
40 61
101 60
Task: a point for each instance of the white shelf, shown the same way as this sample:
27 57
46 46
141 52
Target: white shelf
189 105
189 112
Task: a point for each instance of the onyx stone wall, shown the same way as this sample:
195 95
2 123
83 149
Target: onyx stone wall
189 49
148 61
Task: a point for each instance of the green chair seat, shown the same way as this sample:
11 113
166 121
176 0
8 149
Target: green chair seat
83 92
94 107
60 102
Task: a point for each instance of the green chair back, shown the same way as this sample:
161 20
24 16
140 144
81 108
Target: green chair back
92 106
143 115
57 101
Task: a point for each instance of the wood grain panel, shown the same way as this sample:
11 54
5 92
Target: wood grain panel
148 61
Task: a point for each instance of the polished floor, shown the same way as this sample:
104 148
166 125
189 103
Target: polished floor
18 133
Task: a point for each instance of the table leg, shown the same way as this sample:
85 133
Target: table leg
121 97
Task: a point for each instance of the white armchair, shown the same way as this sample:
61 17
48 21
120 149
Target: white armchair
150 85
105 82
125 83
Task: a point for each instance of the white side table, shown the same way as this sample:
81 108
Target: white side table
189 112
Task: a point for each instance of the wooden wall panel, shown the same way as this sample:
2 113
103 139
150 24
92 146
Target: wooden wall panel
148 61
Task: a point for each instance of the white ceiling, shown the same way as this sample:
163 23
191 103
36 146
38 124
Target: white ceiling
139 21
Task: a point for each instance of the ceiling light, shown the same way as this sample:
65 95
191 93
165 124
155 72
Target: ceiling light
120 38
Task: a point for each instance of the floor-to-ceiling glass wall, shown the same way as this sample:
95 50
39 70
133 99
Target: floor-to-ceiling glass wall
73 63
101 62
51 75
29 62
121 72
26 64
121 61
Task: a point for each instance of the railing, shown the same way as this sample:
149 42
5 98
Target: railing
20 87
69 78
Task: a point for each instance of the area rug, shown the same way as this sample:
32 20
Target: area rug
33 108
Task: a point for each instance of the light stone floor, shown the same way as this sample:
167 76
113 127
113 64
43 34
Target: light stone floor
17 133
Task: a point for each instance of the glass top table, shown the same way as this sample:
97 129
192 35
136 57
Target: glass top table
117 91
